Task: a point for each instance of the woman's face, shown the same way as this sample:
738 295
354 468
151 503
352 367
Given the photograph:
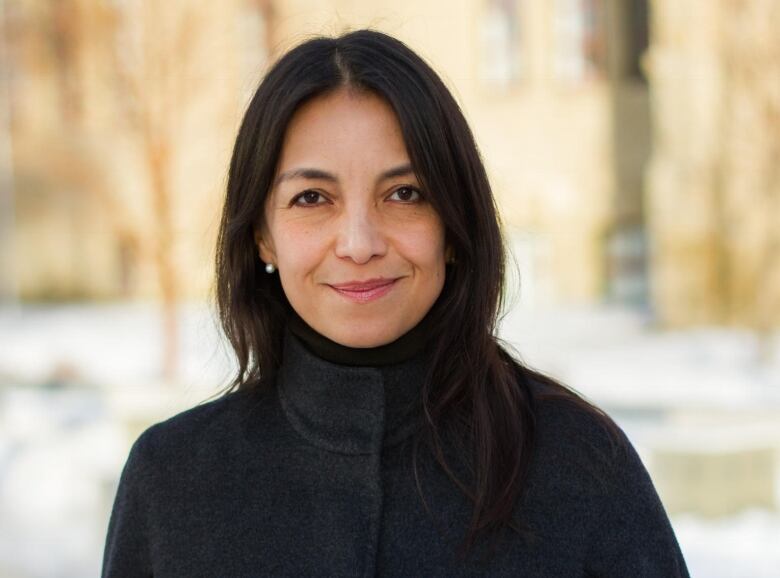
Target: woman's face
359 251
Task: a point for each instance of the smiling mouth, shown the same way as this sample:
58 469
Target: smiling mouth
363 292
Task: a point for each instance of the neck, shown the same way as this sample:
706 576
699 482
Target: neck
402 349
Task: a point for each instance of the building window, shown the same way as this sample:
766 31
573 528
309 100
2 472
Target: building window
502 54
627 276
579 40
637 30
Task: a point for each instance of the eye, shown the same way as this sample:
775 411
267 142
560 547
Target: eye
307 199
406 194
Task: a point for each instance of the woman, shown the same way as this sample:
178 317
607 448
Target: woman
375 425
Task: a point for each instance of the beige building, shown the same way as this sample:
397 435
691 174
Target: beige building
714 180
134 108
559 108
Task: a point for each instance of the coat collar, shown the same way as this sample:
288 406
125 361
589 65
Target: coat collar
349 409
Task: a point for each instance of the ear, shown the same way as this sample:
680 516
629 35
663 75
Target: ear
265 247
449 254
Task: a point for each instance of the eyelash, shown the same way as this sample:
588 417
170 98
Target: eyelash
294 201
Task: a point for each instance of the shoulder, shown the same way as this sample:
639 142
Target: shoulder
579 443
568 414
586 468
203 430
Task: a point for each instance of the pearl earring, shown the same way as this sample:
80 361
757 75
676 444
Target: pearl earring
270 268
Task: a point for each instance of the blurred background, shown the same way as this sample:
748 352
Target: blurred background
634 148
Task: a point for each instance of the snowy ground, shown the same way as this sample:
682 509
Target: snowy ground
72 378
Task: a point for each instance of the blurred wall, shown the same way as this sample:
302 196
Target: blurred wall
541 83
123 117
136 105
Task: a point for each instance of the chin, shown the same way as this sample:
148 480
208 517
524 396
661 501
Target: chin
364 338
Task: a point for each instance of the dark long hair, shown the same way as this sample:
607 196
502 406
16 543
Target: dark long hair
475 392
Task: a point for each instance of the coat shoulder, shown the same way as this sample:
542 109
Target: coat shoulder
573 434
206 427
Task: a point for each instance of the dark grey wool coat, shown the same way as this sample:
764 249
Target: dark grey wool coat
314 478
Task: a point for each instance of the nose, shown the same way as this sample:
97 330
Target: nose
360 236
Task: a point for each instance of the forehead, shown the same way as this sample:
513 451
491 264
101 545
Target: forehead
343 127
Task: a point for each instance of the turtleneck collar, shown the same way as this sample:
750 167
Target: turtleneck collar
402 349
350 409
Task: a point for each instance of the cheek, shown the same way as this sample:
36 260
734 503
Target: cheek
435 241
299 250
424 245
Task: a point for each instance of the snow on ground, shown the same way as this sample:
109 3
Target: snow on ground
110 345
617 357
69 376
59 457
746 545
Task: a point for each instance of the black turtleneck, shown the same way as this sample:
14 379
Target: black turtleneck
402 349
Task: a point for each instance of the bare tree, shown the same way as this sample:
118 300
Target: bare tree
153 50
268 11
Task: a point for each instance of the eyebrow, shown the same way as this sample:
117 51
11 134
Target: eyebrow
318 174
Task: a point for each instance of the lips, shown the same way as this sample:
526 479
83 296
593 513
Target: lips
364 291
363 285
